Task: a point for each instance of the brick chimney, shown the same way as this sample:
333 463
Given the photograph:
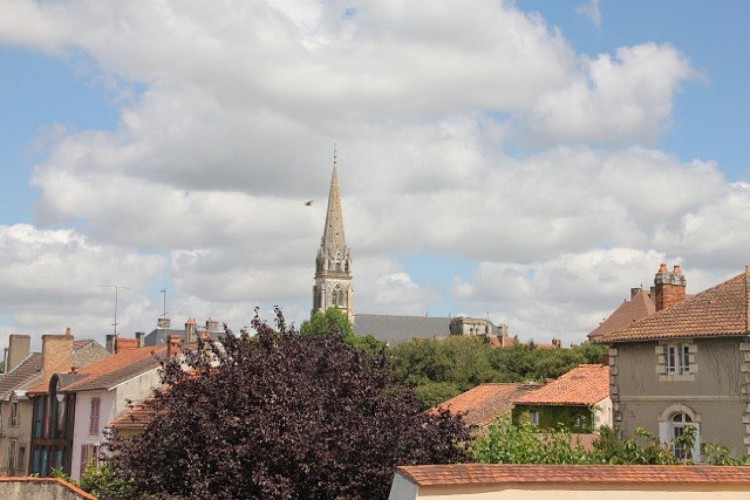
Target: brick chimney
111 343
174 346
122 344
57 353
191 331
669 287
19 347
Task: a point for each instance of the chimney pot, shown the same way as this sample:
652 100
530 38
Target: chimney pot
174 346
663 269
677 269
140 338
68 332
111 343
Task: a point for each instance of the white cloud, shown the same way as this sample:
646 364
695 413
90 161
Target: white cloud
592 11
211 163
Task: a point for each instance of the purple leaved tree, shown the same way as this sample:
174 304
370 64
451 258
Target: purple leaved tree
281 415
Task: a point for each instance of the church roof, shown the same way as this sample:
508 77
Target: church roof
395 329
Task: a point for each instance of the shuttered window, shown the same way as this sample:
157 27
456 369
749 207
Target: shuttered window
84 457
94 419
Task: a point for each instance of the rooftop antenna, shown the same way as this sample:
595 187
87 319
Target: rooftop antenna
117 289
164 294
334 153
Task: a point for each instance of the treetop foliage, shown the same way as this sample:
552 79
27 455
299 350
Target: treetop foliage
281 415
441 369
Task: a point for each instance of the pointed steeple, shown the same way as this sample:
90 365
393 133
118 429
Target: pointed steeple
333 232
333 264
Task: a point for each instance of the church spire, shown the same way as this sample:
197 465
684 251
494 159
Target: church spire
333 232
333 264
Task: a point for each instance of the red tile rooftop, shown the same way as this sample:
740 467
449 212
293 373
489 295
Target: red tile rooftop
483 474
486 402
719 311
583 385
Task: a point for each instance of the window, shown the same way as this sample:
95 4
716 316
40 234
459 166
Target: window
21 463
674 423
14 413
94 417
534 418
671 359
12 457
685 358
677 361
579 421
89 456
676 430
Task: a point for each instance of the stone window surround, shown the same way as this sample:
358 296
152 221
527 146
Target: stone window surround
661 360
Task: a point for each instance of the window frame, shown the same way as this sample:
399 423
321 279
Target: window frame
95 416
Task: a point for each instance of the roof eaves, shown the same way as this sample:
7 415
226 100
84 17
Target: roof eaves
144 372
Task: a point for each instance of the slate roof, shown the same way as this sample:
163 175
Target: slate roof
24 374
583 385
630 311
483 404
158 336
485 474
112 371
718 311
395 329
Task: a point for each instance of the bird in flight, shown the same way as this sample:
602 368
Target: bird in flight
309 203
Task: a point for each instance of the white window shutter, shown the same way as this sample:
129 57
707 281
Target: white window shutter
697 446
664 432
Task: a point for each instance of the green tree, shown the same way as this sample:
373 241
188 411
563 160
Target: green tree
333 320
504 442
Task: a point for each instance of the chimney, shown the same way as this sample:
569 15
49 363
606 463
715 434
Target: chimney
212 325
140 337
669 287
634 292
111 343
19 347
57 354
191 331
122 344
174 346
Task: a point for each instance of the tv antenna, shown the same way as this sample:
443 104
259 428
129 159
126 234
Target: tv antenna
117 289
164 295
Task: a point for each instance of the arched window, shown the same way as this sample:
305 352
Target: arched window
673 427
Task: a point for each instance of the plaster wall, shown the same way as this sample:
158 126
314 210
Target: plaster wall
21 433
570 492
713 392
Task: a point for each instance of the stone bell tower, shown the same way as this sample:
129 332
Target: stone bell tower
333 265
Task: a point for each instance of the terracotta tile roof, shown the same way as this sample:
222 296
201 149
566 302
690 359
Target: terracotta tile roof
484 474
28 373
24 374
630 311
719 311
583 385
136 418
486 402
113 370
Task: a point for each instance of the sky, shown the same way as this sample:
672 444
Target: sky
526 161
